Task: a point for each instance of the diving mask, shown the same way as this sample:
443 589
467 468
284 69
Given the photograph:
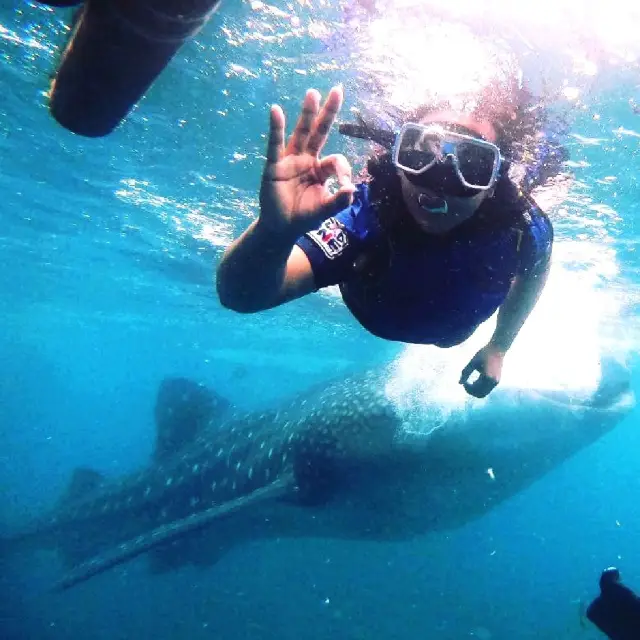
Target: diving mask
437 157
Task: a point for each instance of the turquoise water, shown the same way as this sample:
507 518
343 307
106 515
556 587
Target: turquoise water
107 251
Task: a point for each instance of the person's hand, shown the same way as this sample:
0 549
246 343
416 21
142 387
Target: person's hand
488 363
294 197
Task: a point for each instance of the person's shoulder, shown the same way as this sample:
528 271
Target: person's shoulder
518 210
520 206
361 202
537 240
536 219
359 217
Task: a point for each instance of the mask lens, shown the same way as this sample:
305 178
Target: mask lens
476 163
415 159
443 180
418 150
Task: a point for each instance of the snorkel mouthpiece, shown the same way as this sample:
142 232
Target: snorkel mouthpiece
433 204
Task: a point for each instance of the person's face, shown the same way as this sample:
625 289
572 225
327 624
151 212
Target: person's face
436 212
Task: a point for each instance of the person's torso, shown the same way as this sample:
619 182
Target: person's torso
436 291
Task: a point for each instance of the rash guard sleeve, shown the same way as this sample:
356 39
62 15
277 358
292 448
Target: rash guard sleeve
335 245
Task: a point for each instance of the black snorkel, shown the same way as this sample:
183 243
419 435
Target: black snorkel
362 130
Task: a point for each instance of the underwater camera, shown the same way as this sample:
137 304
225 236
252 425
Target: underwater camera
114 52
616 611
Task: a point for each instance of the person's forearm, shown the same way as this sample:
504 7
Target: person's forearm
250 275
515 310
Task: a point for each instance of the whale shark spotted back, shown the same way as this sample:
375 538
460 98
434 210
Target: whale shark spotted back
332 462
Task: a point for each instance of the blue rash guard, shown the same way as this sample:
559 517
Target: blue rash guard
435 291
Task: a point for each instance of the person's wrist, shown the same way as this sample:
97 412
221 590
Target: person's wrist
276 234
497 346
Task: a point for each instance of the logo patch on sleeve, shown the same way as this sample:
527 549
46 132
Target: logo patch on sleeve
331 238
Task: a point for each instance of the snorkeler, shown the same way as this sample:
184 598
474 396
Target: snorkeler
616 611
424 251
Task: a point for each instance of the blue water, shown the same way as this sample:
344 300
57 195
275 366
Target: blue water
107 252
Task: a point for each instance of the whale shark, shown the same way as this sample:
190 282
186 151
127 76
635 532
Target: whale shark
356 458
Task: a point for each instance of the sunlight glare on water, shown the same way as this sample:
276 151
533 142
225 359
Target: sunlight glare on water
398 51
559 348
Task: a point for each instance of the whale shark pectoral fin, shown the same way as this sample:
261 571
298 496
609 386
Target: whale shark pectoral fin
192 550
171 531
316 478
315 467
171 557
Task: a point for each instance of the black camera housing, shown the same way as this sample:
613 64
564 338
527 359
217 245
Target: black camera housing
616 611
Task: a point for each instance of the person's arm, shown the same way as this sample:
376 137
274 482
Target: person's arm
529 282
261 270
520 302
523 295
